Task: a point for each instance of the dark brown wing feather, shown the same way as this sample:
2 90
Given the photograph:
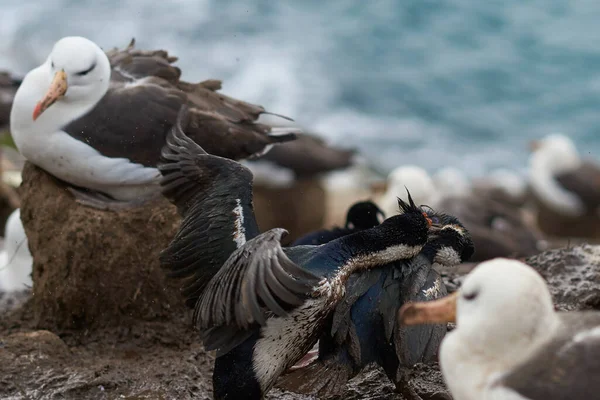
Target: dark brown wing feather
206 190
8 88
310 155
146 93
584 182
257 280
565 369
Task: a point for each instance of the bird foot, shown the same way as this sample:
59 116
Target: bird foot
103 202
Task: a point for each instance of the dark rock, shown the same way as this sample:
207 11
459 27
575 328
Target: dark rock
95 268
573 275
37 344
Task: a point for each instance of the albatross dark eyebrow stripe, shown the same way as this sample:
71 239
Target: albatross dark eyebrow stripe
82 73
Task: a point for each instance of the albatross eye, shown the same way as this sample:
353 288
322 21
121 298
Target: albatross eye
471 295
82 73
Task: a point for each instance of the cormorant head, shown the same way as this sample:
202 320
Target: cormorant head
451 244
364 215
410 227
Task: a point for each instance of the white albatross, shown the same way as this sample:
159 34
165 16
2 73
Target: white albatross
15 259
565 187
509 343
561 179
413 178
99 120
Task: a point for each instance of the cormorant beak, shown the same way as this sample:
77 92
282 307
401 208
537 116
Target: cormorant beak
534 145
434 228
57 90
429 312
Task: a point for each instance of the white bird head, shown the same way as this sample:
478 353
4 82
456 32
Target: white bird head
557 148
553 155
503 313
413 178
77 71
451 182
509 181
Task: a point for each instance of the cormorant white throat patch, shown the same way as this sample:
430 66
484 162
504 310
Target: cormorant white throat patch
239 233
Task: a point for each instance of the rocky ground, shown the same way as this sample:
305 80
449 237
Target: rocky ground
102 323
163 359
147 360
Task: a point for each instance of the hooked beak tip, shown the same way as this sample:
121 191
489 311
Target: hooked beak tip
57 90
37 111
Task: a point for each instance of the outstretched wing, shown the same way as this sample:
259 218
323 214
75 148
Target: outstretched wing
214 197
257 281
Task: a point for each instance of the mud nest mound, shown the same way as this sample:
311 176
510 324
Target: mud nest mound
95 268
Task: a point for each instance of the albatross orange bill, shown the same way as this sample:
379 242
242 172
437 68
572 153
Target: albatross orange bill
429 312
57 89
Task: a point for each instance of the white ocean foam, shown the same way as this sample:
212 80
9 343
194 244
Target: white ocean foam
462 83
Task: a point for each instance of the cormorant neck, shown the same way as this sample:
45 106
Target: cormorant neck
377 246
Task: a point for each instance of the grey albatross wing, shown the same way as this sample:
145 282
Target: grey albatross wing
566 368
309 155
141 105
584 182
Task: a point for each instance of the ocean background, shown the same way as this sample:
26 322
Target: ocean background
458 83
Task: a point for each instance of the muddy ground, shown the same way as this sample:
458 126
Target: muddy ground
104 322
164 359
145 360
97 328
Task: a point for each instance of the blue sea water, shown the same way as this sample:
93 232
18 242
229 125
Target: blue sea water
436 83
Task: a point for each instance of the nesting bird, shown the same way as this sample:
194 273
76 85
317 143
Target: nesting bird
99 120
261 306
567 188
505 186
15 260
498 229
509 343
416 179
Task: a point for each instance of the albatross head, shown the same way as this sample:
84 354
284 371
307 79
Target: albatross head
451 182
410 177
556 151
551 156
502 311
77 71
